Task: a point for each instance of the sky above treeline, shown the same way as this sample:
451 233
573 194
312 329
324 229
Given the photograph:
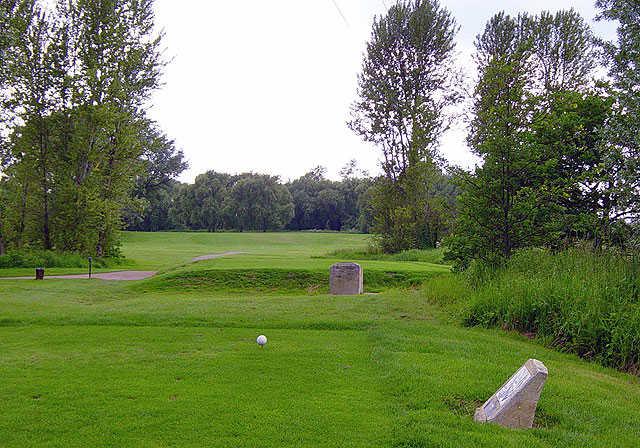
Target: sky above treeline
266 86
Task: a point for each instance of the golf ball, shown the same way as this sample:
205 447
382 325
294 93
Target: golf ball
262 340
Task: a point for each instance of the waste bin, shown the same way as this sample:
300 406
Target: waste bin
39 273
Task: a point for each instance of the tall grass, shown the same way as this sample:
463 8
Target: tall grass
49 259
577 301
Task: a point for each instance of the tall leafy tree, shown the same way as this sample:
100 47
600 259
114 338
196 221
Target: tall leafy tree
3 202
521 129
155 184
623 131
354 183
80 74
405 88
33 87
121 61
210 195
8 38
494 211
563 51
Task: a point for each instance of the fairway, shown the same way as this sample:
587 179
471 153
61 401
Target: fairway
171 362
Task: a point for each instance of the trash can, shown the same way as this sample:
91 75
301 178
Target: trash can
39 273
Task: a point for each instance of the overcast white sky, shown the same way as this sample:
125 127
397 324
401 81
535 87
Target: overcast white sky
266 85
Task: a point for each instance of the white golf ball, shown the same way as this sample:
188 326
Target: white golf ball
262 340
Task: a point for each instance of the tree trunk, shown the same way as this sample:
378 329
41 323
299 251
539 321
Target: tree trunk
45 228
2 244
23 213
103 246
46 236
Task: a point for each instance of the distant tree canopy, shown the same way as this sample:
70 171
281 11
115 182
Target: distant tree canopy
323 204
258 202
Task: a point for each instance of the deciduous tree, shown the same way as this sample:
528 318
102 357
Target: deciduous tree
623 130
406 86
528 134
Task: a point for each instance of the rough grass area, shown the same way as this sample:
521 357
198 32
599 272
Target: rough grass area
50 259
576 301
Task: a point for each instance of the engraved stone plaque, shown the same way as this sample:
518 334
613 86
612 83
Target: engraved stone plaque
514 404
345 279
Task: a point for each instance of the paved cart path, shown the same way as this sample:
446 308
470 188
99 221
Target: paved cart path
119 275
123 275
214 256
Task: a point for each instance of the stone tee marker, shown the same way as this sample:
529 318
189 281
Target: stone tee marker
345 279
514 404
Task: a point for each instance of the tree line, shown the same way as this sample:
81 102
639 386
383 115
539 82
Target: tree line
256 202
558 144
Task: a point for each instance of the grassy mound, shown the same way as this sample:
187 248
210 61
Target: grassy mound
575 301
277 280
434 256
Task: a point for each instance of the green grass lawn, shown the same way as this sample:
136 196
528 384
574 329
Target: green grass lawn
167 251
157 364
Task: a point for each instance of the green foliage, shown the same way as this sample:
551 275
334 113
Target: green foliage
423 220
3 202
80 73
322 204
258 202
577 301
537 128
575 162
218 201
405 89
153 193
249 201
623 129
